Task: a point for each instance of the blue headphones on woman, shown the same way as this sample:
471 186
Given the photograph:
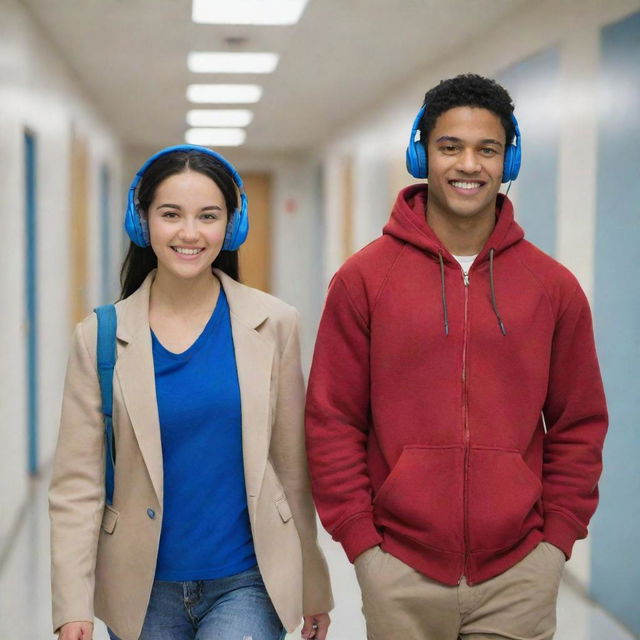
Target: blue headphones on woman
417 152
237 227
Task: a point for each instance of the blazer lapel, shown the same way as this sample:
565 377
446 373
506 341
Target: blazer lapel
135 373
254 359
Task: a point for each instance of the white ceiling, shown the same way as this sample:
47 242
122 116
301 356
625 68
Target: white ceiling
342 56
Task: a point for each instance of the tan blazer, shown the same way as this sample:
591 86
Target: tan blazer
103 558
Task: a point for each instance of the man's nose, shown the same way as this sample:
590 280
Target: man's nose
468 161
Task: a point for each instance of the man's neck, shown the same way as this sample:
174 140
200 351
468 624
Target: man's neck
461 236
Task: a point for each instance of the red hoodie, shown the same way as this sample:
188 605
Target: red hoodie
428 400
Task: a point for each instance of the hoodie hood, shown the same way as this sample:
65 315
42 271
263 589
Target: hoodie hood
408 223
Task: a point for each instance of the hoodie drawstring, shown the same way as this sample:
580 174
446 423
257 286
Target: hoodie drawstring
494 304
444 296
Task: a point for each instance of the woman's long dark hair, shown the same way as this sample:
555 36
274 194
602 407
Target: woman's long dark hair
139 261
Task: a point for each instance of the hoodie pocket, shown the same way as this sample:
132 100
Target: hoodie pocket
504 498
421 499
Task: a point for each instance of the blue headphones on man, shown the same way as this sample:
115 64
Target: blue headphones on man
417 152
237 227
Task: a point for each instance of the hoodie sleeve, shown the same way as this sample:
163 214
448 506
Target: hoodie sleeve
576 417
337 420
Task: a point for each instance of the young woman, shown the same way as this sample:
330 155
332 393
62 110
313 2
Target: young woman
210 531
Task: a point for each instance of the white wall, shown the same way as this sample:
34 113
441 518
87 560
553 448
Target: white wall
379 138
296 259
38 92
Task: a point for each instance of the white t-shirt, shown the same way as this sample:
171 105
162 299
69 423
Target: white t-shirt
466 262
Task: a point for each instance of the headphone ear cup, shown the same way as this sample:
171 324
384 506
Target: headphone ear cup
416 156
507 169
512 155
421 154
417 160
136 227
516 161
238 227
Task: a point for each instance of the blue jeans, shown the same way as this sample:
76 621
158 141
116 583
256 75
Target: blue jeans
233 608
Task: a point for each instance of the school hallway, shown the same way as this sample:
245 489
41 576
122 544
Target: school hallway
318 129
25 610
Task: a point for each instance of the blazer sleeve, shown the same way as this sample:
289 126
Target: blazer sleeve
76 493
290 462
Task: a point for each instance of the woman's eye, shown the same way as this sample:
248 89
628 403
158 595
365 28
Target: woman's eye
169 214
209 216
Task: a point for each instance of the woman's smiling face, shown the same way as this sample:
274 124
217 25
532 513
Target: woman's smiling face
187 223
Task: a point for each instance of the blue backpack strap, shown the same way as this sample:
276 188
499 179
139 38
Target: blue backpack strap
106 361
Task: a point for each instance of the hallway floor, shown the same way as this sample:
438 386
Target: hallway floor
25 598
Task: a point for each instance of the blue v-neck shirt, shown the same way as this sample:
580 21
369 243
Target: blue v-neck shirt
205 528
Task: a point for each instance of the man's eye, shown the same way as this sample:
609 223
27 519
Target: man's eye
449 148
488 151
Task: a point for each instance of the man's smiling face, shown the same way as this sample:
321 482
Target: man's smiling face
465 153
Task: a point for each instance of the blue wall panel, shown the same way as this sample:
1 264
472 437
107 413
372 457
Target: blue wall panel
31 297
616 557
533 85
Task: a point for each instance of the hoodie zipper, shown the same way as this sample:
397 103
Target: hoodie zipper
465 420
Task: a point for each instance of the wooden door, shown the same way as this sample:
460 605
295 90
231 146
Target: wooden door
255 253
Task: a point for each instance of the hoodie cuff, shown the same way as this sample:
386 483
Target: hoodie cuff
358 535
562 532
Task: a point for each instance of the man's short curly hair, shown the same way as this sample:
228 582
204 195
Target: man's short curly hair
466 90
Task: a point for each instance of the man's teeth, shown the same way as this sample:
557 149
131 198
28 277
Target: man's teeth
465 185
187 252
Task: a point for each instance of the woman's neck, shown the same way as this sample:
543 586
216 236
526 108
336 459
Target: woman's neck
183 297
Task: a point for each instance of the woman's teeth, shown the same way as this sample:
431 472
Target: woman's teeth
186 252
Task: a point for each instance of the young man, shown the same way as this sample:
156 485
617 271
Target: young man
455 412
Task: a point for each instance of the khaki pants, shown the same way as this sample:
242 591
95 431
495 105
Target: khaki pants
401 604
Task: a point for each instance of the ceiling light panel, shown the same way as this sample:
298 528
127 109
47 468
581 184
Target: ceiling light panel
219 117
224 93
247 11
205 62
215 137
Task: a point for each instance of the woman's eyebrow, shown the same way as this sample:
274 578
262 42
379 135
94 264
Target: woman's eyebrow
168 205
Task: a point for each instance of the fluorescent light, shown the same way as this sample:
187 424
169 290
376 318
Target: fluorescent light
216 137
232 62
247 11
230 93
219 117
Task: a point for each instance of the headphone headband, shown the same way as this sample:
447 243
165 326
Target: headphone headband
237 225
